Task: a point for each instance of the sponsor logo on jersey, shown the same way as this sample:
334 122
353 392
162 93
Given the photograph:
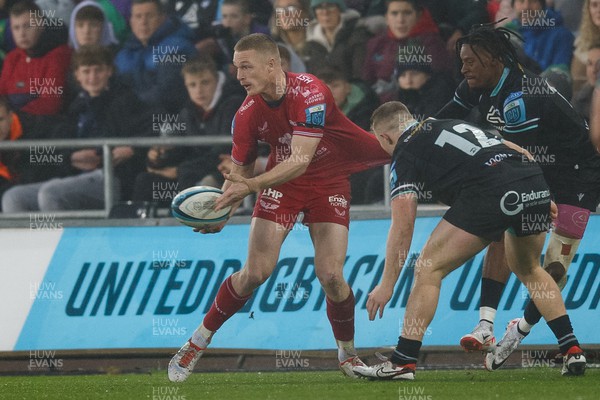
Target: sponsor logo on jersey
580 196
315 115
493 117
338 200
514 111
513 203
268 205
247 106
315 98
272 194
497 159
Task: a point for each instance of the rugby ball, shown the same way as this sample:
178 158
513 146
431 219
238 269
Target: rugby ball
195 207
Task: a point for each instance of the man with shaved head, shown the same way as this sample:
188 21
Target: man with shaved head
314 149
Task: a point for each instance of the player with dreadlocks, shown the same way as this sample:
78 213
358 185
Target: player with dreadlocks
526 110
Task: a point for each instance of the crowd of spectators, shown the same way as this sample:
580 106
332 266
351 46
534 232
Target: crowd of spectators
142 68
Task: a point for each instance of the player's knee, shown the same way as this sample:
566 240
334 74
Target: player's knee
330 280
427 272
251 278
526 273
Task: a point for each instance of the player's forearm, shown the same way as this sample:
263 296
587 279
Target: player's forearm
397 248
286 171
517 148
404 213
247 171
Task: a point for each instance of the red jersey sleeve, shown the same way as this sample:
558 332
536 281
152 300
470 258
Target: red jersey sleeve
245 141
312 107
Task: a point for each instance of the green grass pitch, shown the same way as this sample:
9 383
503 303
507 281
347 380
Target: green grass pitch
530 384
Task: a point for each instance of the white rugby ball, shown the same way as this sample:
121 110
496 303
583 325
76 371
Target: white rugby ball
195 207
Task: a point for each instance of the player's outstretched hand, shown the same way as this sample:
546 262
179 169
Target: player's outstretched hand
377 300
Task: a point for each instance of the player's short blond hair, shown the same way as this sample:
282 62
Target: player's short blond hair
263 44
389 115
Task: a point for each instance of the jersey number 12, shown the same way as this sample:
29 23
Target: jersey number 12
463 144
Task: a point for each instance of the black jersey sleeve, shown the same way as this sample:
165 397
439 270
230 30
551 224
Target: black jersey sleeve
403 175
462 103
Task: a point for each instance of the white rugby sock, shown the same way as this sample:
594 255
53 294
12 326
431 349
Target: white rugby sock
488 314
202 336
345 350
524 326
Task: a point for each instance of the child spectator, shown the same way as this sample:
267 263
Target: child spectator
336 37
411 34
150 61
34 74
102 109
89 26
238 18
423 92
236 22
212 103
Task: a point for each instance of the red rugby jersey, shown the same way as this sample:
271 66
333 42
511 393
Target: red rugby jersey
307 109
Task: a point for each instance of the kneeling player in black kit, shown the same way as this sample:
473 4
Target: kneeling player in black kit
526 110
491 189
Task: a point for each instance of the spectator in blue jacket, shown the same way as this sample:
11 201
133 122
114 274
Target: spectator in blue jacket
547 41
151 59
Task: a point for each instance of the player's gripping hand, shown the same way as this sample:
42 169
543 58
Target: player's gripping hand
240 187
377 300
212 228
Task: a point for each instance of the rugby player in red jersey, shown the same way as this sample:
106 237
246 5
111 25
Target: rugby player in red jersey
314 149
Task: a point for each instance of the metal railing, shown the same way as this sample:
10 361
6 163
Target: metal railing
108 144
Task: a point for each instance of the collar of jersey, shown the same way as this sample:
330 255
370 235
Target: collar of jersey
411 129
277 103
505 73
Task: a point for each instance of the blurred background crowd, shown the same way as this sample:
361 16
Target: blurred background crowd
142 68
